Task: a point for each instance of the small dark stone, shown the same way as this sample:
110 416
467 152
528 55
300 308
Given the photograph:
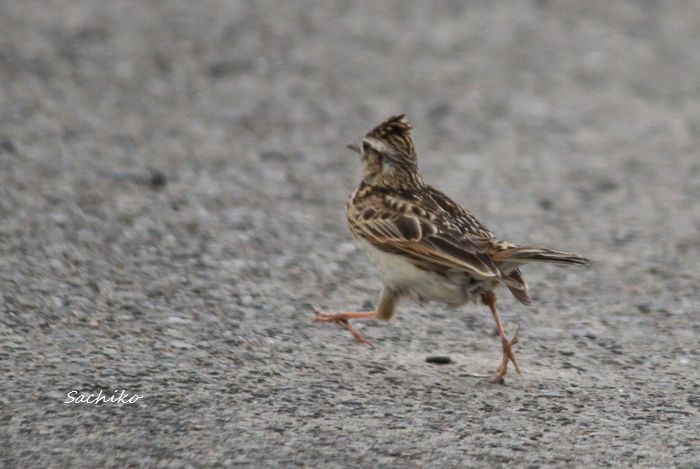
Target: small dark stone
567 353
590 335
439 360
368 305
7 146
546 204
670 410
694 400
157 179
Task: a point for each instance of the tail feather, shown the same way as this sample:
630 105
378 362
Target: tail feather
517 286
524 254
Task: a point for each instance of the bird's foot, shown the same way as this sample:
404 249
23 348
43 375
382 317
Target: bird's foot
343 319
508 356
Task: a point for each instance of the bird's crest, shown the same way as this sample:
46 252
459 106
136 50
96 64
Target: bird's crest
393 138
395 125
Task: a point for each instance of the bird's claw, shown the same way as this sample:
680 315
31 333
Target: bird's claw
325 317
508 356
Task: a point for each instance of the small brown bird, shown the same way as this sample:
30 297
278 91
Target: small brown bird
424 244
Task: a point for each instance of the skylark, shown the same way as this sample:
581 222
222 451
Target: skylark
425 245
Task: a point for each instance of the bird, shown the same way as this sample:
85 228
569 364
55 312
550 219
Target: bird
425 245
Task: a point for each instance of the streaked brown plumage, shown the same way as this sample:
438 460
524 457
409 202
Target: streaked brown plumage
425 245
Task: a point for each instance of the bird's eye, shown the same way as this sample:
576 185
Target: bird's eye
365 147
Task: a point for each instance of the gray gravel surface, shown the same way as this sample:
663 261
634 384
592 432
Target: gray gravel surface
172 187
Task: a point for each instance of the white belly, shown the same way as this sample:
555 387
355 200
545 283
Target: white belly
400 274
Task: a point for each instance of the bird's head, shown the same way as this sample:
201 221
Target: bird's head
388 152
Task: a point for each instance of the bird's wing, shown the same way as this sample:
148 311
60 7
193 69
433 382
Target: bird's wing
403 226
455 214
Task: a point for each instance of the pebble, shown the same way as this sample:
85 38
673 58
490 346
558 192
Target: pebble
439 360
546 204
7 146
346 248
669 410
157 179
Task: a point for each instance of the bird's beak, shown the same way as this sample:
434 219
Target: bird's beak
354 147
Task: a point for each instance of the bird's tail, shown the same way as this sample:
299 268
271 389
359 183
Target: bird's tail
517 255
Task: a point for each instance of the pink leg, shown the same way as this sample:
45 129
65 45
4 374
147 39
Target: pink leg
489 300
342 318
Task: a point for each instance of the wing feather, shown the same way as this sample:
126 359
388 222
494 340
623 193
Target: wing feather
398 228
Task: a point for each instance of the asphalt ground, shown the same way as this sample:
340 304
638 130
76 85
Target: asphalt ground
172 187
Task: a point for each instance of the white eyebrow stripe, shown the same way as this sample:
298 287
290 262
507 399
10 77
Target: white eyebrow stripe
377 145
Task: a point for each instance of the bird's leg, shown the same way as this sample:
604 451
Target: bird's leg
384 310
489 300
342 318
